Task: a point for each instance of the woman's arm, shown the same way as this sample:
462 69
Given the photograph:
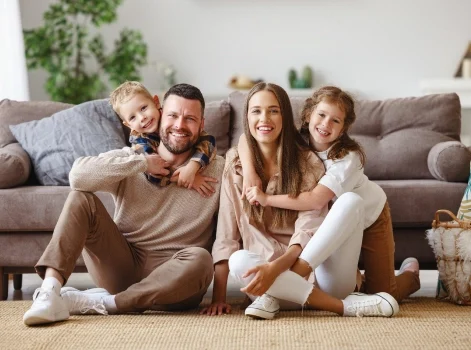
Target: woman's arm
218 305
312 200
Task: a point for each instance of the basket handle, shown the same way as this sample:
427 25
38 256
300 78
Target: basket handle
466 225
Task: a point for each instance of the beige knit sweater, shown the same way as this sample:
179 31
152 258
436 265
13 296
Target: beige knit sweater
152 217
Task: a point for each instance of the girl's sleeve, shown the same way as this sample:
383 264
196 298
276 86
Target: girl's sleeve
343 175
205 149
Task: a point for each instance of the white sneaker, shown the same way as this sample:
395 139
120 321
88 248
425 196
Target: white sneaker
47 307
379 304
91 290
264 307
85 302
408 262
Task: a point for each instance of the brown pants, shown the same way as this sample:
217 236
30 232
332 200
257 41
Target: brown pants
378 256
141 279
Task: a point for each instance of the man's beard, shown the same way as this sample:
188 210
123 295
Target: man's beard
180 147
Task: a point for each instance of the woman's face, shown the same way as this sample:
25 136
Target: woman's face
264 117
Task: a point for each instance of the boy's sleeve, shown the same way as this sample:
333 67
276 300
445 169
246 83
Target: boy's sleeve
205 149
141 144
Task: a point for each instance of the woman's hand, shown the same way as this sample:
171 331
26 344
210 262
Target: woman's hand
216 308
256 196
265 275
251 179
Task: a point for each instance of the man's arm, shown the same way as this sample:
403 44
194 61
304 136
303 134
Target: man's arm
105 171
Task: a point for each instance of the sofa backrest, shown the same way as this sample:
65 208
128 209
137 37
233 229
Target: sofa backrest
396 134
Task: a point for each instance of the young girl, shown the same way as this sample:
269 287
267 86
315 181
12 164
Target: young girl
269 251
327 117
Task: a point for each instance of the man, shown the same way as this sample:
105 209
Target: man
155 252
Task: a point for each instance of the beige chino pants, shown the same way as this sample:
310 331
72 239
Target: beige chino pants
141 279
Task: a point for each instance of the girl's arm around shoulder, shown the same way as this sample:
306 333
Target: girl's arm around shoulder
105 171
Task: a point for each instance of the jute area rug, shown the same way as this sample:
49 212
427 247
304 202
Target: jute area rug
423 323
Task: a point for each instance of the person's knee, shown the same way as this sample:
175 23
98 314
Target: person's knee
353 201
202 262
241 261
79 198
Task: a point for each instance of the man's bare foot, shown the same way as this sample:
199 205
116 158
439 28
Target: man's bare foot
410 264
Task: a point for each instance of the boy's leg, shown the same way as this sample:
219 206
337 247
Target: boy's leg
176 281
378 258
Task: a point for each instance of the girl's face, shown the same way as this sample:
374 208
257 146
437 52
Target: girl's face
325 125
264 117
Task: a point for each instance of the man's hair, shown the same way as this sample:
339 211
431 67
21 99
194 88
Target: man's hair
188 92
291 154
125 92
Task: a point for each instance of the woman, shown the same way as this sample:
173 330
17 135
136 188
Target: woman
282 247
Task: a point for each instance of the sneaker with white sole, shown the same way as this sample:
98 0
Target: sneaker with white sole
264 307
408 262
85 302
379 304
48 307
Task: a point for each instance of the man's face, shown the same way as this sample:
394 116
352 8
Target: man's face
181 124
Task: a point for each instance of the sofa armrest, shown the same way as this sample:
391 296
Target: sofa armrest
15 165
449 161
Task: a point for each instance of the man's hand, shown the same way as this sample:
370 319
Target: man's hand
216 308
251 179
265 275
256 196
186 174
156 165
202 186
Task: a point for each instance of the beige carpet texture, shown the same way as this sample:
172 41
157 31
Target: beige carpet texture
423 323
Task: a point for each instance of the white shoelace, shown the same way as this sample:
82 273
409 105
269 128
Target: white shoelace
96 305
367 307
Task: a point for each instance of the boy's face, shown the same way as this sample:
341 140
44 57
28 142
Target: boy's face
141 113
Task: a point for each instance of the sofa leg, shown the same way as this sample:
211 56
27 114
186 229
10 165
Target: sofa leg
3 284
17 281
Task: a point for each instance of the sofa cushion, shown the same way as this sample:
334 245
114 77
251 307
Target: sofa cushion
398 134
15 165
449 161
16 112
37 208
217 123
237 100
414 202
54 143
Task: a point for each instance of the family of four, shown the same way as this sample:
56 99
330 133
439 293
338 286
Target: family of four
270 201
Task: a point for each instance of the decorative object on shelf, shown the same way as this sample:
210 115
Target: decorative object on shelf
242 82
303 82
61 47
464 68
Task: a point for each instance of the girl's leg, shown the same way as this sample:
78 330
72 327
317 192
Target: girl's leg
378 256
334 250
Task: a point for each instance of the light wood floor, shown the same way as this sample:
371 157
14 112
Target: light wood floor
428 279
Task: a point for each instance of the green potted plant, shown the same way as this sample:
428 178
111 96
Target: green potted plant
63 48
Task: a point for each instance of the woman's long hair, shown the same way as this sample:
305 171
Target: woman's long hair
290 159
344 144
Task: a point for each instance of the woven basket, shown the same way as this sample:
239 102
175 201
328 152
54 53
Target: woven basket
451 243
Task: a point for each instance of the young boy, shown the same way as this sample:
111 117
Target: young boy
141 113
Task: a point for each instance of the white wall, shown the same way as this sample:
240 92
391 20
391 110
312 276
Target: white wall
374 48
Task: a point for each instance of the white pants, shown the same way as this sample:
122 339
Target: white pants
332 253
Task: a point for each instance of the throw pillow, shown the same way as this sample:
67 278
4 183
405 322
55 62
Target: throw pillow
15 165
217 121
54 143
449 161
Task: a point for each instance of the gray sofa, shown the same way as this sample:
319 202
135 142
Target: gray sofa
413 152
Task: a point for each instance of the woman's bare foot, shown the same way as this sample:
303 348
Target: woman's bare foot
410 264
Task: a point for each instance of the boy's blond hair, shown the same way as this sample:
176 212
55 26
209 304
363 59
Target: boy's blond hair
125 92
